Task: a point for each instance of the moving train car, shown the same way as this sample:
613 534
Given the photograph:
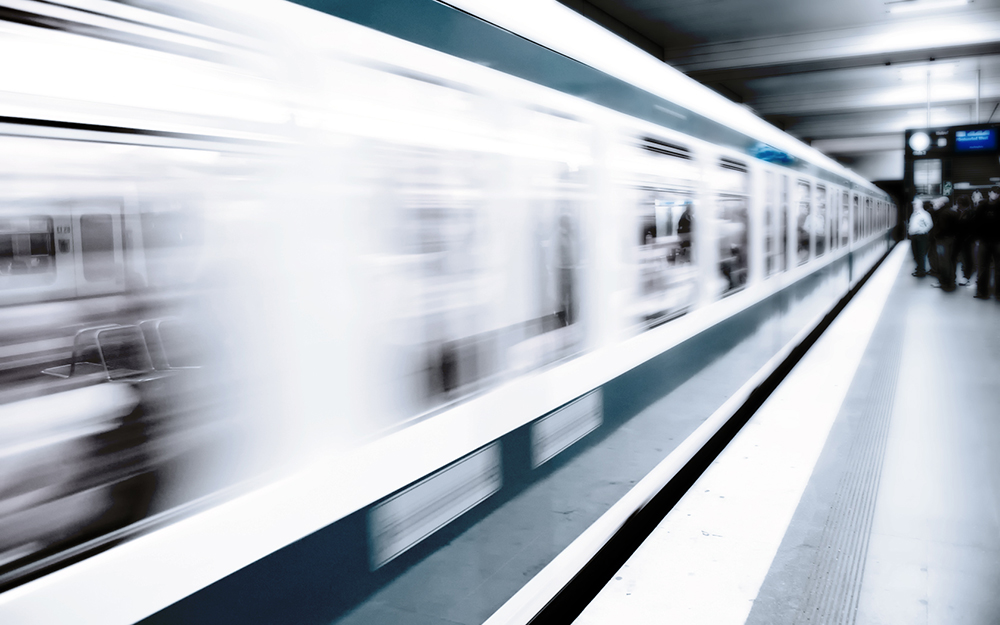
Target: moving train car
266 266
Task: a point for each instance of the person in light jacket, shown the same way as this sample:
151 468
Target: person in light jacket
919 230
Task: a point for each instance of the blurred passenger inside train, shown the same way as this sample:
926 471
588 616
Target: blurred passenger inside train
919 229
732 267
987 225
684 230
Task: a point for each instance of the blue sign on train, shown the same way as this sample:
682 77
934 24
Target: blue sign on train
771 154
975 140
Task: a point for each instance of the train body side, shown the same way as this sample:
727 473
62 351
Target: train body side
358 251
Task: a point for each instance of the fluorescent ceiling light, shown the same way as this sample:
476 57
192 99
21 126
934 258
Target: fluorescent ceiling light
908 6
936 70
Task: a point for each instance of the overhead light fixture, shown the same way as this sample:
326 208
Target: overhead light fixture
919 142
920 71
909 6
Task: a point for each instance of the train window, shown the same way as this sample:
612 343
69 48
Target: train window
834 219
665 260
819 221
732 177
856 217
783 221
862 217
98 244
845 219
667 149
27 246
734 222
771 199
803 221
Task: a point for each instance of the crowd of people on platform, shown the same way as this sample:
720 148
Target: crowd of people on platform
966 232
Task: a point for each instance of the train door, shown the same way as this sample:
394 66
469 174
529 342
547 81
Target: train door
97 239
774 222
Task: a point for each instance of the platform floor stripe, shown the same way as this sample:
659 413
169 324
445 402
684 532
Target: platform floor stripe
834 585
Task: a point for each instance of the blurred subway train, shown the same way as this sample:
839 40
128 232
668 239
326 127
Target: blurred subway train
247 245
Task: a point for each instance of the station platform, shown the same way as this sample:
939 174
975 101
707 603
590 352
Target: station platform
865 490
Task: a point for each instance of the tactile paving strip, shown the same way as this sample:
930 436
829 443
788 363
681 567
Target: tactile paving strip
834 585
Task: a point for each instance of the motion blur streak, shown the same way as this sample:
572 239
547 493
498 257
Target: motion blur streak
240 239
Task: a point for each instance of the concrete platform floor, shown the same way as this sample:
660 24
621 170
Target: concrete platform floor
929 550
895 515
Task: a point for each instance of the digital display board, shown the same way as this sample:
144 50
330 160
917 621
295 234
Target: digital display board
975 140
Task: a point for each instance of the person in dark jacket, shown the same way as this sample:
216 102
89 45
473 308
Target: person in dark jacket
944 233
933 207
965 240
987 223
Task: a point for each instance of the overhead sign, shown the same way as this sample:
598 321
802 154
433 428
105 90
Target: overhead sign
975 140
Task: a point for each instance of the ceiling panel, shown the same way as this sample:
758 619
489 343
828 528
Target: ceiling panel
830 73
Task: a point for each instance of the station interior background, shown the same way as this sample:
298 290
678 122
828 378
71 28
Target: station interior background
846 77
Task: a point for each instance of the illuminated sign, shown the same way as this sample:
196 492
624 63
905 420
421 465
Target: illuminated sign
919 142
771 154
975 140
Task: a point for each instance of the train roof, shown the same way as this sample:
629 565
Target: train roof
550 44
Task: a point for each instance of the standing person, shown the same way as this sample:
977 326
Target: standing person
934 208
987 224
964 240
943 234
919 228
969 252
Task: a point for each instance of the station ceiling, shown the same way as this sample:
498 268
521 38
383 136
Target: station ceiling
848 77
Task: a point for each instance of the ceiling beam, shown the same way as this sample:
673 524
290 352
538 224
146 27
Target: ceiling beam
785 67
862 100
857 145
915 40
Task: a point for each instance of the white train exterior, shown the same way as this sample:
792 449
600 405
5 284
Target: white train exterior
382 258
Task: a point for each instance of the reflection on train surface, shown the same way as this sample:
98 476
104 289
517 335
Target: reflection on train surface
278 247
